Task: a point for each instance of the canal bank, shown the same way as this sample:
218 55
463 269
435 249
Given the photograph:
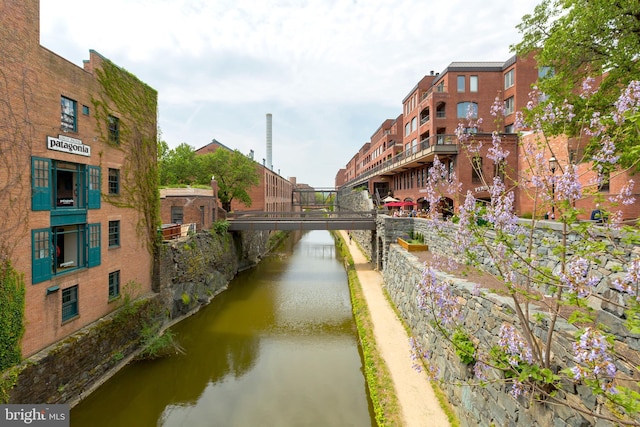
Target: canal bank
418 402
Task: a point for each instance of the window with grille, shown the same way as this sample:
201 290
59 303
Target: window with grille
114 234
114 284
68 115
69 303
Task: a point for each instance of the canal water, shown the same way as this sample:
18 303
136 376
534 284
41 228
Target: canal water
278 348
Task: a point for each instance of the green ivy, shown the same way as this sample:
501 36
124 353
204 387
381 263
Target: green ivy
135 104
11 315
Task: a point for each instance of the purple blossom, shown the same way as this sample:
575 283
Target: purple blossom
607 152
577 279
588 87
500 211
628 102
497 108
568 185
436 298
480 369
593 359
630 282
514 346
497 152
626 196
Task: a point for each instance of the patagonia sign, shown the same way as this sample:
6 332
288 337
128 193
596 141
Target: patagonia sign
68 145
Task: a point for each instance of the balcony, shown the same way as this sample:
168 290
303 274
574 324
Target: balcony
421 154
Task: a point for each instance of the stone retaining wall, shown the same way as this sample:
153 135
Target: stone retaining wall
359 201
477 405
485 313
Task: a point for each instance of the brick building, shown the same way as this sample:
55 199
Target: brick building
401 151
194 206
397 164
65 149
272 194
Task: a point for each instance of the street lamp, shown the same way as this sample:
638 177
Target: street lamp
553 164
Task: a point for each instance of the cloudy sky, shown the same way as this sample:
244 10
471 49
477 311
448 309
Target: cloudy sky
330 71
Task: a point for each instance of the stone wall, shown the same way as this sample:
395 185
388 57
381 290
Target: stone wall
190 272
545 238
68 369
359 201
484 314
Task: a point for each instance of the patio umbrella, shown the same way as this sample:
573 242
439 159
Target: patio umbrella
408 203
394 204
390 199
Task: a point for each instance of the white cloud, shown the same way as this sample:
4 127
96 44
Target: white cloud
331 71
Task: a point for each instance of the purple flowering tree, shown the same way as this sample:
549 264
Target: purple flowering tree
547 293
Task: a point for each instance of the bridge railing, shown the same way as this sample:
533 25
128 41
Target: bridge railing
299 215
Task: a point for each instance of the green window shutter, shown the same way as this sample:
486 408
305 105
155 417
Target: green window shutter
93 186
93 239
41 255
41 184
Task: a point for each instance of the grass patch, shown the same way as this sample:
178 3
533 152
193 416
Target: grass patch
381 391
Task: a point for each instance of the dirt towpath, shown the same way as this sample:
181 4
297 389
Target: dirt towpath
420 407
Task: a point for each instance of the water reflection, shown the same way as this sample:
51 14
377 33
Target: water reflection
279 348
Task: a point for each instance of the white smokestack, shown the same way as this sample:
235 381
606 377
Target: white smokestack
269 142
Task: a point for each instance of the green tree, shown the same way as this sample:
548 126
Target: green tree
179 165
234 172
586 38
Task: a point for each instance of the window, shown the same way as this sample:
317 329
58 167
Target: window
440 87
114 234
177 216
467 109
509 79
68 121
508 106
61 249
473 83
414 146
498 169
461 80
85 110
69 303
114 130
114 181
114 284
603 180
476 170
509 129
62 186
414 124
407 129
545 72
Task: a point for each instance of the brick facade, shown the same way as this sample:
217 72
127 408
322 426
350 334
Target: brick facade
59 233
433 109
273 192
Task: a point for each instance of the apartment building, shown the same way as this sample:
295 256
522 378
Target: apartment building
432 111
272 194
64 172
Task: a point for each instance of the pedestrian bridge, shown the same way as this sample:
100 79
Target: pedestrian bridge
305 220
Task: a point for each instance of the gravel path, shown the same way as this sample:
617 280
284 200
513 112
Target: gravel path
419 404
